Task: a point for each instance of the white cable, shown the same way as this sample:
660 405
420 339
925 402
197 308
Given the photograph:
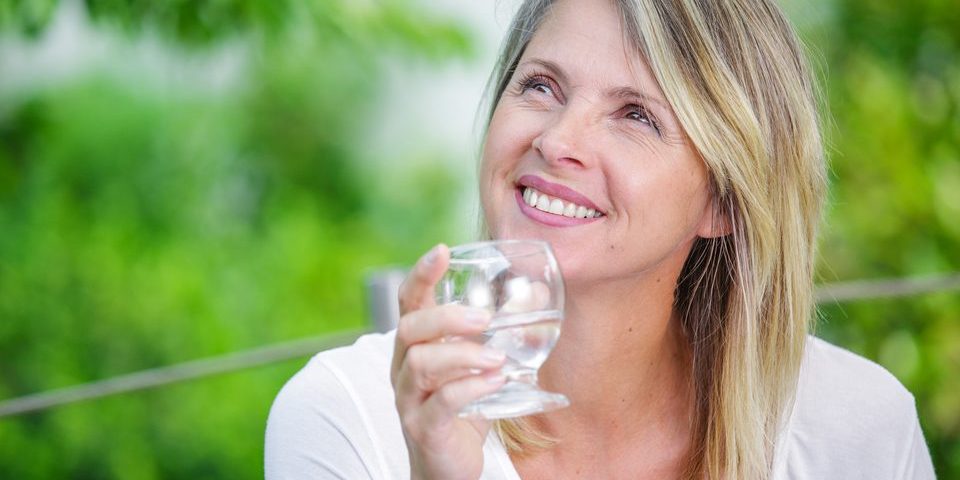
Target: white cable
180 372
156 377
898 287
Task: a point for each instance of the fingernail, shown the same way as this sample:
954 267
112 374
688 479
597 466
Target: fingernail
431 255
476 316
492 356
494 378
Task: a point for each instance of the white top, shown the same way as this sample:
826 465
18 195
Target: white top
336 419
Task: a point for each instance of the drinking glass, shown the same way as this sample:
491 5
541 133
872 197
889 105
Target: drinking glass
519 283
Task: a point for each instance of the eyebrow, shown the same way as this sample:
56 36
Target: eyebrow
616 92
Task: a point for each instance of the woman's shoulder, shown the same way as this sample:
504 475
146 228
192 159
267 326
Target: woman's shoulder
355 375
851 415
853 399
850 398
834 374
335 417
371 350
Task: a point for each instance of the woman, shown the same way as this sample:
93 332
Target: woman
691 130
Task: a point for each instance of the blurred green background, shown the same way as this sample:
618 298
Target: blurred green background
219 194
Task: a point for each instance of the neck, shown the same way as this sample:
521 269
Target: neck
623 362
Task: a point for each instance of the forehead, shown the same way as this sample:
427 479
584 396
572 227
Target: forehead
586 38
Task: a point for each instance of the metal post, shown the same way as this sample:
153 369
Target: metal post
382 303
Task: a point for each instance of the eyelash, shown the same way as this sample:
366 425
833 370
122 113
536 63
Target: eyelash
644 115
532 80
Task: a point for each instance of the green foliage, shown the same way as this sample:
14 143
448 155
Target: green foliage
375 23
27 16
144 225
894 94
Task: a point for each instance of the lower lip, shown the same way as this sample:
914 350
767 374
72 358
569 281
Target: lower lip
550 219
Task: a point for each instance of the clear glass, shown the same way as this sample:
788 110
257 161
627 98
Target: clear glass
519 283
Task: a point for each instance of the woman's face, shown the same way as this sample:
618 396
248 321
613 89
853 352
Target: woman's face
584 123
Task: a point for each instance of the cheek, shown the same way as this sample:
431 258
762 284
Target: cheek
508 139
513 128
663 198
491 166
494 166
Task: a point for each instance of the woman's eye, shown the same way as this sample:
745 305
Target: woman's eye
641 115
537 83
541 87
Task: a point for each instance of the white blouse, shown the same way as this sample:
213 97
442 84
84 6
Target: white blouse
336 419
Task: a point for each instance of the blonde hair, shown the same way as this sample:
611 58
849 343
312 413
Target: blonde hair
737 78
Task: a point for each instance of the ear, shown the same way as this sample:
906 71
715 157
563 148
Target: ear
715 221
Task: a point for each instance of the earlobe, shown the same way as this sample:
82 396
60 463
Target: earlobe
715 221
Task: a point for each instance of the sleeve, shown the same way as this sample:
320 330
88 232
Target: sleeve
917 464
314 431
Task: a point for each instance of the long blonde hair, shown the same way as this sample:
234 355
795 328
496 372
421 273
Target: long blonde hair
737 78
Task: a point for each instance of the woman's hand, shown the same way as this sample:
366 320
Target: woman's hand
436 372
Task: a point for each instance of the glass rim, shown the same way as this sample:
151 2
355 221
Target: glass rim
543 247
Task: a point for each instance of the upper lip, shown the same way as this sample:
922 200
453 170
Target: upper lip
556 190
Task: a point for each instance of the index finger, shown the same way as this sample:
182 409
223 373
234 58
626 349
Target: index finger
416 291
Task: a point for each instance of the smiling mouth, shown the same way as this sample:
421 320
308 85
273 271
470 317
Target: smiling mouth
545 203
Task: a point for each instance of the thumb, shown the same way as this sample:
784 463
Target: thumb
416 292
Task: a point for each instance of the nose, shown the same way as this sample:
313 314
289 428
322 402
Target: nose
562 143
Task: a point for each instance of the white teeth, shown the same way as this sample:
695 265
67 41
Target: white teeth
556 206
543 203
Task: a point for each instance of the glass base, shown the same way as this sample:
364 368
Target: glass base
515 399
